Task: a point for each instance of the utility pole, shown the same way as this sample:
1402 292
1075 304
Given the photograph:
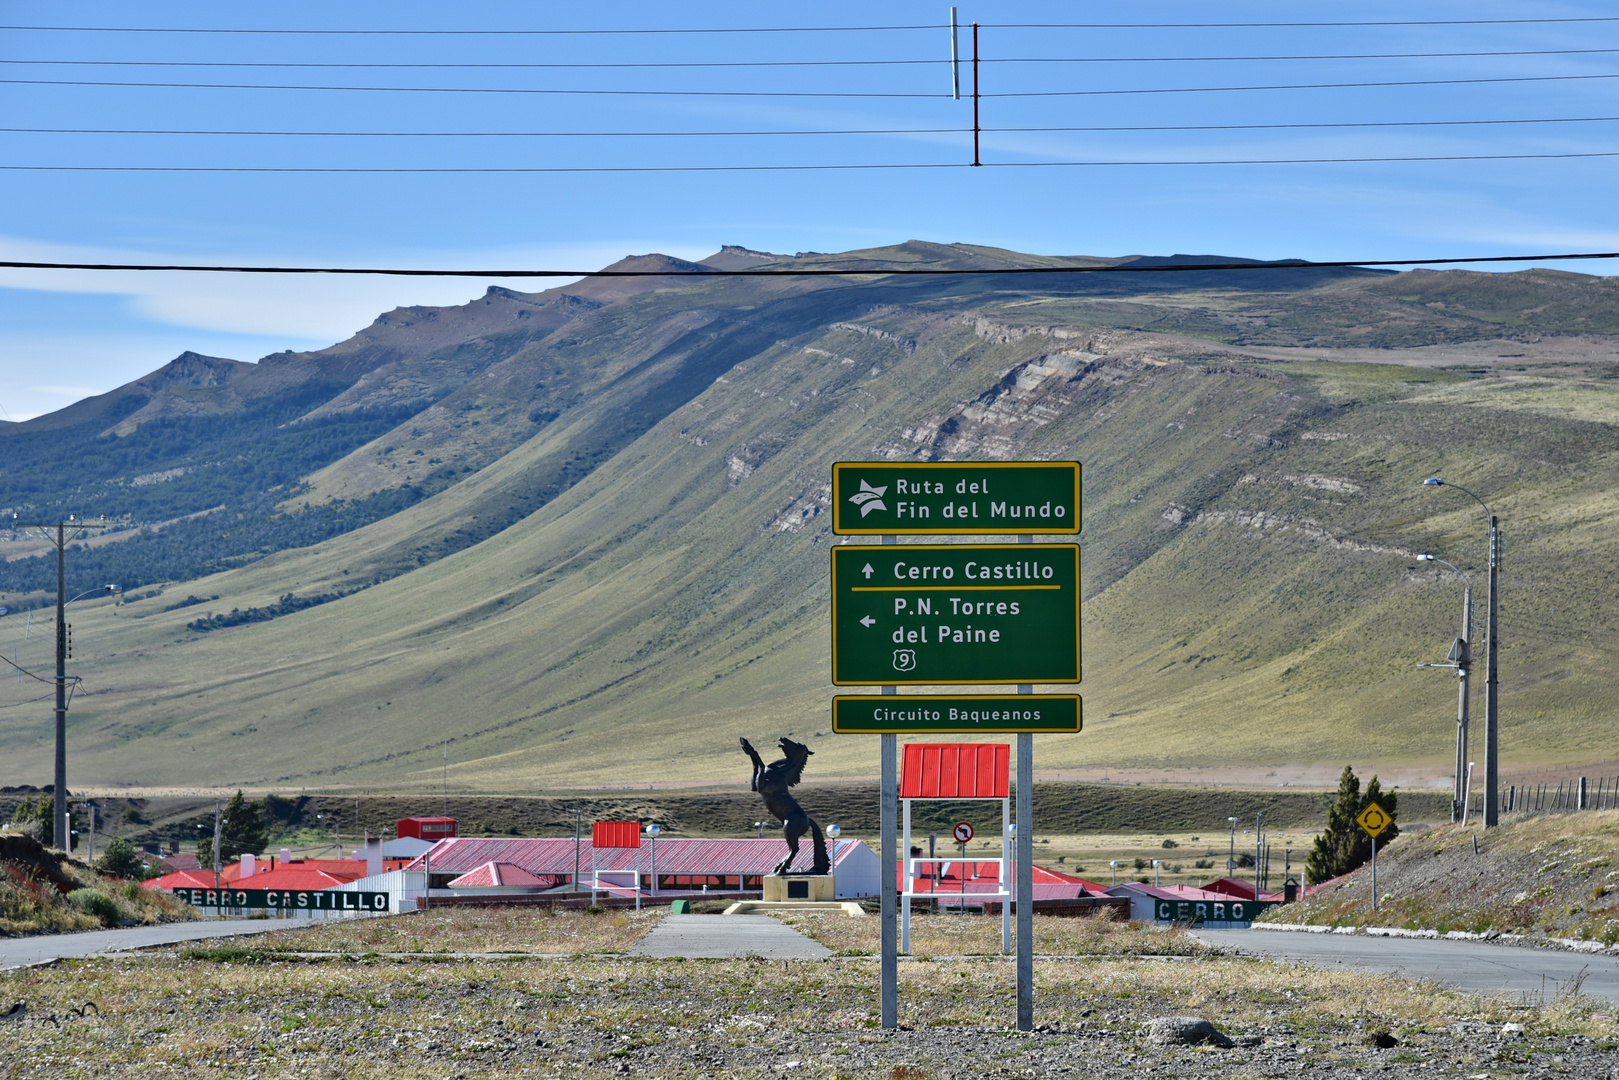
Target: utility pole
59 816
1492 674
1461 659
1492 687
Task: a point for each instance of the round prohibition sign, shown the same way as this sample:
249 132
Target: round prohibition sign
964 832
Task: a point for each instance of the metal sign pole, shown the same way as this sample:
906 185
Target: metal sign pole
890 882
1374 873
1025 868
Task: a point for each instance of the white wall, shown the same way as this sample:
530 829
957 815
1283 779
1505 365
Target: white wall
402 887
861 871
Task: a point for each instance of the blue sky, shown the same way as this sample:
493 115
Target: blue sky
67 334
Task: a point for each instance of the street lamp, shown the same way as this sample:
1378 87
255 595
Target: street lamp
761 826
652 831
1461 660
1156 863
1492 679
832 834
1114 866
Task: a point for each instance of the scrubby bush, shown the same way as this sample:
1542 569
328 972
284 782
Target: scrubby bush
1171 844
97 903
121 859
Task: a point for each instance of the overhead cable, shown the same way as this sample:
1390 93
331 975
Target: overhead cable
621 31
521 170
800 131
1001 271
840 94
685 64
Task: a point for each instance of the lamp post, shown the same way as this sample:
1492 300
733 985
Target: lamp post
1231 859
832 834
1156 863
1114 866
1460 659
1259 850
1492 676
652 831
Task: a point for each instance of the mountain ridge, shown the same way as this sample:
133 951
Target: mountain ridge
649 562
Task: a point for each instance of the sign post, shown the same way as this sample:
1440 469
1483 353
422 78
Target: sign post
1374 819
956 614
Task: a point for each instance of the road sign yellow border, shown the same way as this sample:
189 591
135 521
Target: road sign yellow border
1021 549
931 530
1374 815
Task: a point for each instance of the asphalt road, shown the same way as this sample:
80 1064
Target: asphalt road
1465 965
713 936
40 948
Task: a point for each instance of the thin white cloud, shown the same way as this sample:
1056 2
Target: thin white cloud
313 307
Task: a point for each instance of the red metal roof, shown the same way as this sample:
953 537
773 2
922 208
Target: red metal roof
493 874
183 879
295 877
954 771
674 856
982 877
616 834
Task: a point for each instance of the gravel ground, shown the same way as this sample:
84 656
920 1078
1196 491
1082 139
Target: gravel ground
266 1016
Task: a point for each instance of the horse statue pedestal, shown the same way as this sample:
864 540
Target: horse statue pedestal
800 888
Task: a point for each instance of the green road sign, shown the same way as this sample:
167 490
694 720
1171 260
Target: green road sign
942 614
881 714
972 497
287 899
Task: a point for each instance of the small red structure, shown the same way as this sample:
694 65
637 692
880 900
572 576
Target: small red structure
616 834
426 828
955 771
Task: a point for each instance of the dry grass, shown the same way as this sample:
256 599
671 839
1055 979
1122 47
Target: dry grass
467 930
977 935
162 1015
1545 873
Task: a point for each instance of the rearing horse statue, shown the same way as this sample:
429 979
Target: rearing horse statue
771 782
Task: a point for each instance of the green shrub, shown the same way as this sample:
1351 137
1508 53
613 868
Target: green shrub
97 903
121 859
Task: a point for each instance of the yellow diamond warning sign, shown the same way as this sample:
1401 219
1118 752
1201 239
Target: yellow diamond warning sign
1374 819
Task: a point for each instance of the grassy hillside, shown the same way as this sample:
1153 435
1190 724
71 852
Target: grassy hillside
627 588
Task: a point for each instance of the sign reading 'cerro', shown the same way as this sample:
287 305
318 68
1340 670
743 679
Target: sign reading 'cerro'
873 714
978 497
288 899
941 614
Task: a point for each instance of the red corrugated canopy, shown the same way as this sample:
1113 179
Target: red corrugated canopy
616 834
954 771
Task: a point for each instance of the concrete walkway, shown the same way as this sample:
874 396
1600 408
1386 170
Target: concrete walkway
42 948
699 937
1466 965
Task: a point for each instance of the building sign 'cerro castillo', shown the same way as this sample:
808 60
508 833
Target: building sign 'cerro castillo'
971 497
287 899
951 614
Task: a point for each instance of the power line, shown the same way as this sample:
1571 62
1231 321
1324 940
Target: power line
251 31
1003 271
840 94
802 131
519 170
1284 25
684 64
470 33
1292 86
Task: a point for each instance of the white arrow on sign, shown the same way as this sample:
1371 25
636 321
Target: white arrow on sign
868 622
868 571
